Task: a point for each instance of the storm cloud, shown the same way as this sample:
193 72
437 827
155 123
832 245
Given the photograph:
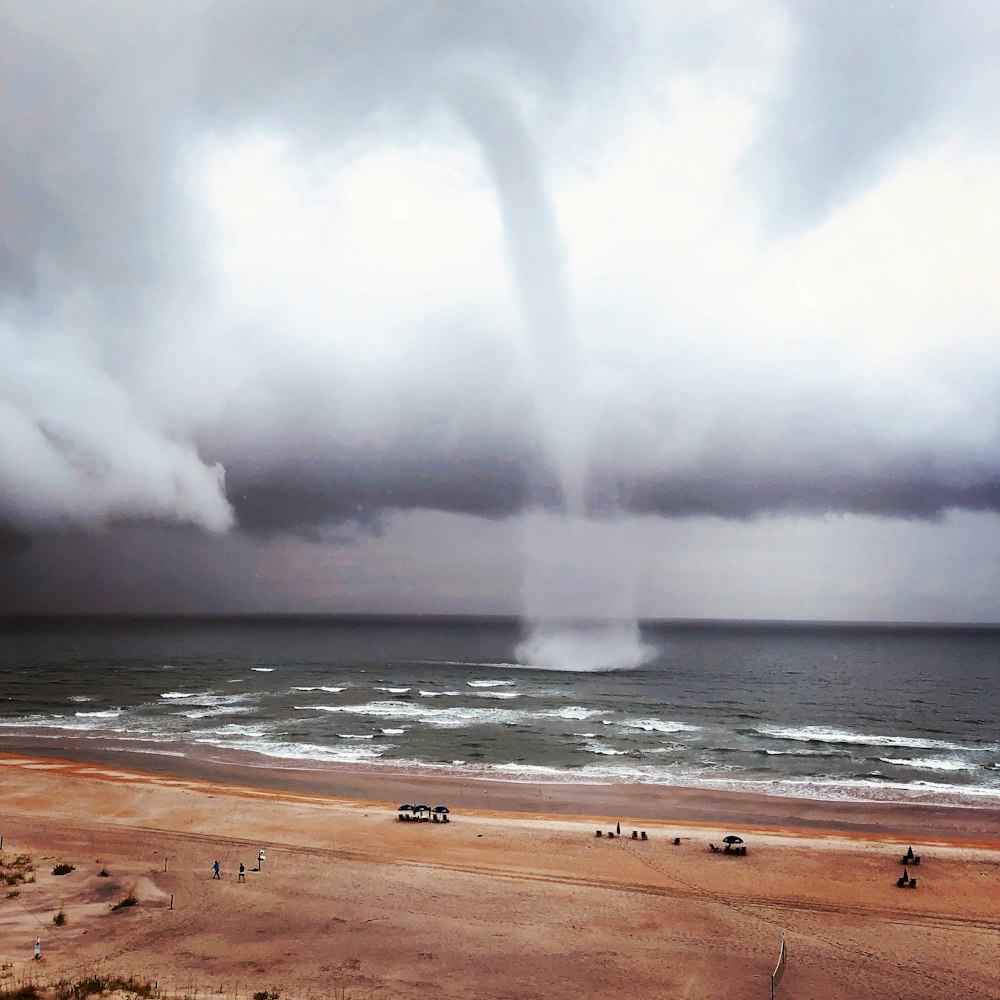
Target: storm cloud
257 270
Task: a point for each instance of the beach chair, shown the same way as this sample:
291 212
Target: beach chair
913 883
677 841
598 834
635 834
714 849
901 882
642 836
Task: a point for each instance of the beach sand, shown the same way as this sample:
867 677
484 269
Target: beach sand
515 898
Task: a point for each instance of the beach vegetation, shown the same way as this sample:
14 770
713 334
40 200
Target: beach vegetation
23 991
264 995
17 871
14 893
60 918
63 869
96 985
103 873
130 899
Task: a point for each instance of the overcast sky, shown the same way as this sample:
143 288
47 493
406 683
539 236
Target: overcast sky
676 309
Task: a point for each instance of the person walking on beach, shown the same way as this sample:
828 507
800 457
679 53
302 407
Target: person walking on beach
243 874
215 868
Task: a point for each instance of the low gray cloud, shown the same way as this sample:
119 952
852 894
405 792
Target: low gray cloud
108 287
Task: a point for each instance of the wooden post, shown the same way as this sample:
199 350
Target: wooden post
171 901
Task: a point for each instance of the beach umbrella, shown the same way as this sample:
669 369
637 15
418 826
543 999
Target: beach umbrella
441 809
405 808
906 875
421 809
732 840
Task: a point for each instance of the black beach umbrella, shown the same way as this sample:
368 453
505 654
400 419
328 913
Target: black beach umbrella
732 840
441 809
406 808
906 875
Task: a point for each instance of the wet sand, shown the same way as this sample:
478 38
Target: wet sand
515 898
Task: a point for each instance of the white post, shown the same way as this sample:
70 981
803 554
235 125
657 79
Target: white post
38 947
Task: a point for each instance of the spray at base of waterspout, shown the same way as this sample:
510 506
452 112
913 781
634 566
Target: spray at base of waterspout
584 647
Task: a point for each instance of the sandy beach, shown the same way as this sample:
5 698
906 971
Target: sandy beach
515 898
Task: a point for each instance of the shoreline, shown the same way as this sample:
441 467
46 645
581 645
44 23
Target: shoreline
515 897
683 805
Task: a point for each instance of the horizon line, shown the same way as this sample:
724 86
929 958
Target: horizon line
481 617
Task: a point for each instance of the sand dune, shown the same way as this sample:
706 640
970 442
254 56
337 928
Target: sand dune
512 903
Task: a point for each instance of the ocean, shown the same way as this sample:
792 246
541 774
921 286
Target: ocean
863 712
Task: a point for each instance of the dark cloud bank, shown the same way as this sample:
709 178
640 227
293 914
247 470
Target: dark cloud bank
101 259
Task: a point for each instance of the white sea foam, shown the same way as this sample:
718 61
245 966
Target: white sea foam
437 694
263 670
207 699
576 713
825 734
209 713
324 689
52 722
348 754
445 718
387 690
530 770
111 713
232 729
392 732
603 749
355 736
930 763
81 697
499 695
489 684
659 726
